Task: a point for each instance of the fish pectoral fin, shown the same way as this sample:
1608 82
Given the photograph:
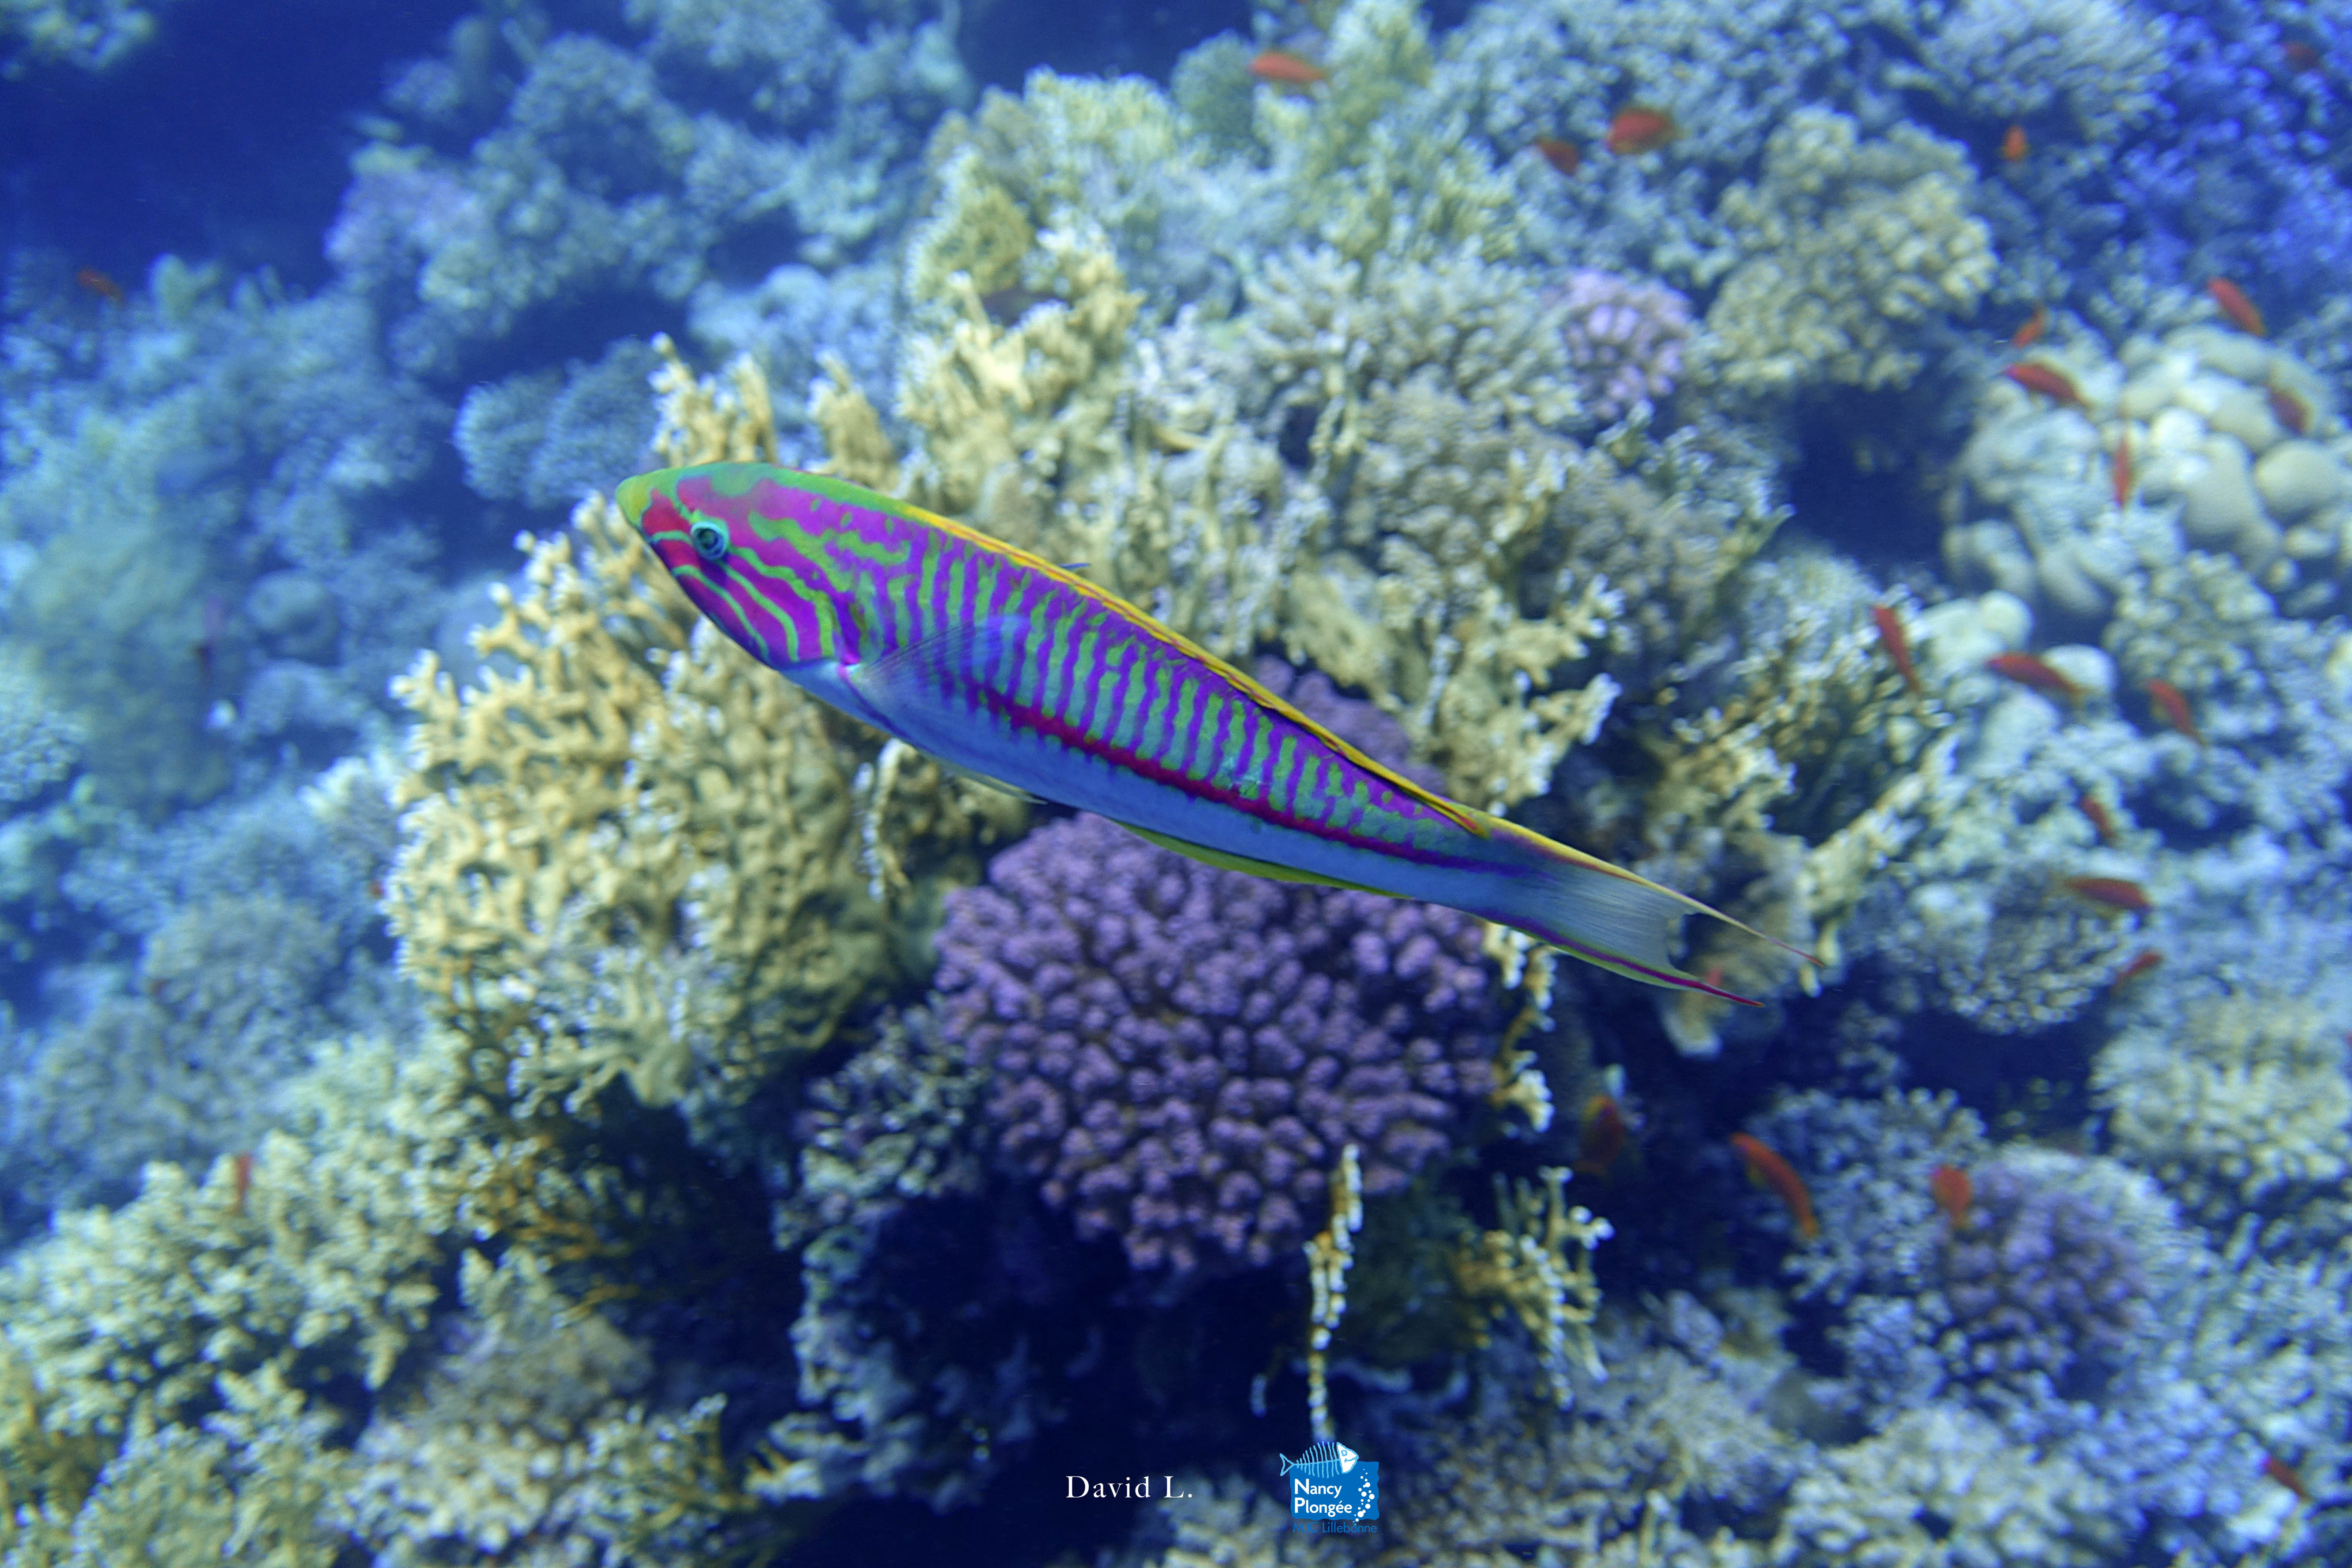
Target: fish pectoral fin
984 653
1227 860
972 776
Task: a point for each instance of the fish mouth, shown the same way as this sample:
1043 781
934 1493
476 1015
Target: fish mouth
634 494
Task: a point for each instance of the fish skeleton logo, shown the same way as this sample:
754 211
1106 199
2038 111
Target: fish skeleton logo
1330 1482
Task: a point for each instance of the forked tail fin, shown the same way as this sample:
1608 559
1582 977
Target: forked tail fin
1608 916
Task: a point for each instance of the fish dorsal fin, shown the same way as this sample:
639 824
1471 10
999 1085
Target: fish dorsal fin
1466 817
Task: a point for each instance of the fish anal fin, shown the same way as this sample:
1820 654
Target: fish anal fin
1227 860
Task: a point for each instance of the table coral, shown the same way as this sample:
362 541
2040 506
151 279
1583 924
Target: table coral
1180 1052
1847 247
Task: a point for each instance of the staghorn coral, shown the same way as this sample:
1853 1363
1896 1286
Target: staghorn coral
1182 1051
1846 248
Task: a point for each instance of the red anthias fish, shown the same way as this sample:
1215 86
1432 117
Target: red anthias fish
2036 325
2049 382
2014 144
1898 645
2287 1476
1565 156
1284 68
96 282
2236 306
1602 1136
2289 411
1636 130
2095 808
2122 470
2144 961
2028 671
2109 892
1954 1193
1767 1169
2173 703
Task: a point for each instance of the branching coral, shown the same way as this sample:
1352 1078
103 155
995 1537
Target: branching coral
1846 248
636 782
2240 1103
1537 1266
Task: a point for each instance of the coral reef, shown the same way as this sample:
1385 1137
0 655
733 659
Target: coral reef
1844 247
2232 445
1625 340
1180 1051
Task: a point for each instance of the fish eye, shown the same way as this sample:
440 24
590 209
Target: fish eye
710 541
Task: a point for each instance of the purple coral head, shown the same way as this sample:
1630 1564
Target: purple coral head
2042 1286
1624 339
1181 1052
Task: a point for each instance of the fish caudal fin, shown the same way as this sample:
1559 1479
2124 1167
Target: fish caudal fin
1609 916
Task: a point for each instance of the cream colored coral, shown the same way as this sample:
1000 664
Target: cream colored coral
2239 1100
1537 1266
1844 243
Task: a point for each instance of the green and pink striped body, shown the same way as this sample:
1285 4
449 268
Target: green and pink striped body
1007 666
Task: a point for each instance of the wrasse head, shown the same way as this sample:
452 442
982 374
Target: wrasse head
689 529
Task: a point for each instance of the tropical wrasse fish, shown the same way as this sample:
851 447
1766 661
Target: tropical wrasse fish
1000 664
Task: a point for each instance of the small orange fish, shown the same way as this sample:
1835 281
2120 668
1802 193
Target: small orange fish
2172 703
2014 146
1565 156
2147 959
2122 470
1602 1136
1953 1193
99 283
2040 378
2236 306
2095 808
1767 1169
2037 673
2300 55
1284 68
244 1179
2289 411
2285 1475
1636 130
2109 892
2036 326
1899 645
